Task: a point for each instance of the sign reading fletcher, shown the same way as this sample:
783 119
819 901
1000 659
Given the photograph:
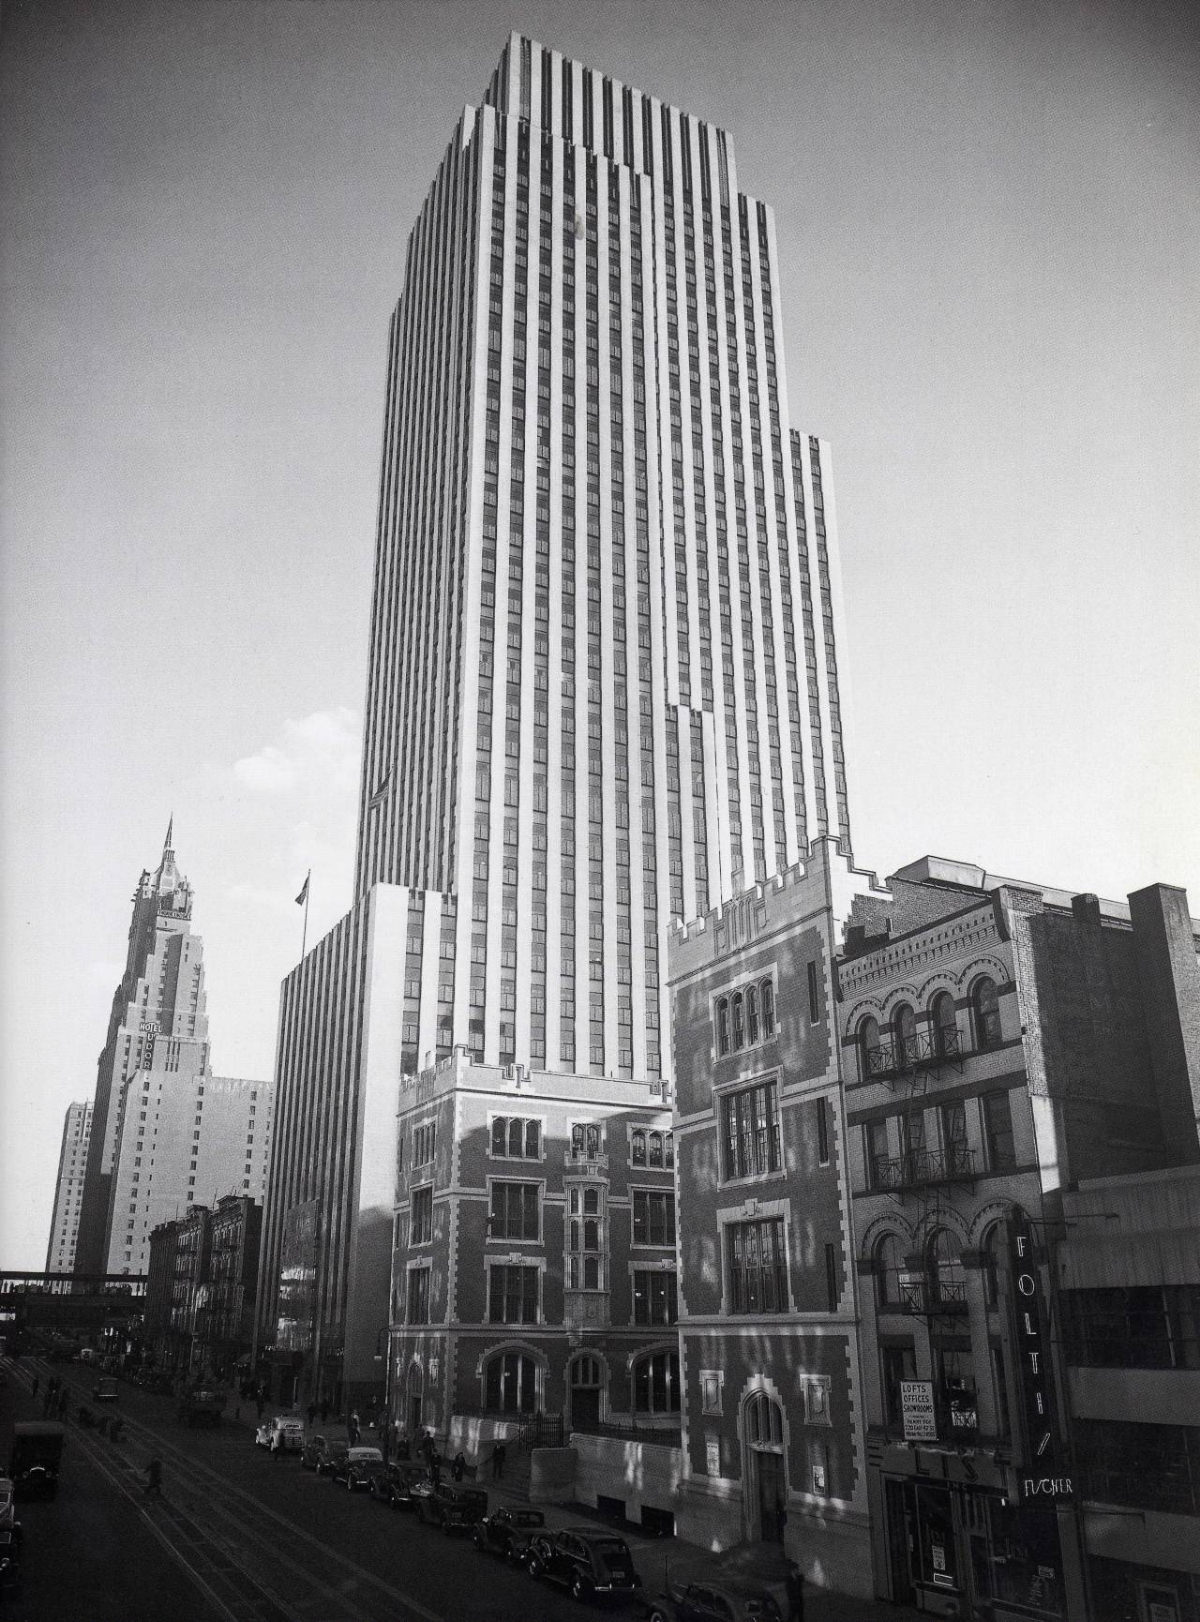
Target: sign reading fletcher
916 1407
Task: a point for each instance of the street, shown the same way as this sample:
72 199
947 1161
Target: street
237 1534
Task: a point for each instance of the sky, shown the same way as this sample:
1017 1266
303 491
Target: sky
988 215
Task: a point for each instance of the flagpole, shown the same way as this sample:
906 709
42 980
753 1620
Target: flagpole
304 934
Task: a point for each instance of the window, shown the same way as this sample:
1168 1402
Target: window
750 1121
875 1152
653 1217
656 1384
868 1045
814 997
817 1390
833 1288
418 1295
516 1138
954 1137
745 1018
655 1298
757 1266
764 1421
998 1132
585 1140
889 1259
514 1211
711 1384
947 1279
823 1131
904 1028
985 1007
897 1363
512 1295
422 1216
423 1141
510 1384
585 1239
944 1020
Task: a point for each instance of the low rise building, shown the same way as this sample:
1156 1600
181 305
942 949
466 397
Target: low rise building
773 1448
1000 1042
1128 1279
533 1260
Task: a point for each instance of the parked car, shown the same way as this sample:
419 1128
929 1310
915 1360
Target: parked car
726 1597
202 1405
360 1467
314 1448
10 1560
35 1459
283 1434
331 1456
589 1562
394 1484
106 1389
507 1532
454 1506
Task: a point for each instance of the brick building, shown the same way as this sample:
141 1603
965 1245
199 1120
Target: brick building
533 1266
772 1439
1000 1042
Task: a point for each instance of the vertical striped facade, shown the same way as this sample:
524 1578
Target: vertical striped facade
603 683
68 1189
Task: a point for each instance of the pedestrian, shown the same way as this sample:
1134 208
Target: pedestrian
498 1461
459 1468
259 1404
435 1467
312 1414
795 1594
324 1410
352 1427
154 1479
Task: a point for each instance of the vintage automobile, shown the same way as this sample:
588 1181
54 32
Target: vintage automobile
730 1598
359 1468
201 1405
590 1563
283 1434
507 1532
35 1459
106 1389
454 1506
330 1457
395 1483
10 1558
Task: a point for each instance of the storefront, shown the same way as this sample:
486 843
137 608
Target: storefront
958 1536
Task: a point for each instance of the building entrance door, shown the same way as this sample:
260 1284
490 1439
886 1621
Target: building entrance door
586 1383
768 1467
415 1401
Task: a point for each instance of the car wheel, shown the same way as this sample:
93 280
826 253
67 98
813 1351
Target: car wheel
579 1589
534 1567
657 1615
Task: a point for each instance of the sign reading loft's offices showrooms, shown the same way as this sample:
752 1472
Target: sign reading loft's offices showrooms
1041 1479
916 1408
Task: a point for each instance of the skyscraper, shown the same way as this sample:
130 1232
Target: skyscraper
602 677
68 1190
161 1120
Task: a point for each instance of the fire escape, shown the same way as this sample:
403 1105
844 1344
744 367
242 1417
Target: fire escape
924 1178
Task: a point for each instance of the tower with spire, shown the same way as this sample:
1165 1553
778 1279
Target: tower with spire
150 1087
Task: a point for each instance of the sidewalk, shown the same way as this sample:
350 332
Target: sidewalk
654 1556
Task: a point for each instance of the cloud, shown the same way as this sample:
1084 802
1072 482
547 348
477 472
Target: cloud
318 751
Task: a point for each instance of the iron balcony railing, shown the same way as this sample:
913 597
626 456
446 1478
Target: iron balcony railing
924 1168
906 1054
927 1296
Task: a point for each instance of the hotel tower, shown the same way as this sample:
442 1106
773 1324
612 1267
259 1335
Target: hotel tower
602 690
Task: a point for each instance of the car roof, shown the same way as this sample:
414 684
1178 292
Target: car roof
364 1453
594 1534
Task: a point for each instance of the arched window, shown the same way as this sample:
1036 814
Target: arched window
510 1384
751 1015
904 1029
868 1042
764 1421
991 1251
985 1005
766 993
947 1279
656 1384
738 1020
723 1025
889 1259
944 1020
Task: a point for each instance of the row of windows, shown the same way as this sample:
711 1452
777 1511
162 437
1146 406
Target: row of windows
745 1018
515 1213
906 1046
513 1295
510 1382
899 1152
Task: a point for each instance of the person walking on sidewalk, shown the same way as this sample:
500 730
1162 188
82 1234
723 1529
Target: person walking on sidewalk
498 1453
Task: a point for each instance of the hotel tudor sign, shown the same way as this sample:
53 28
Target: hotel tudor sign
1044 1478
